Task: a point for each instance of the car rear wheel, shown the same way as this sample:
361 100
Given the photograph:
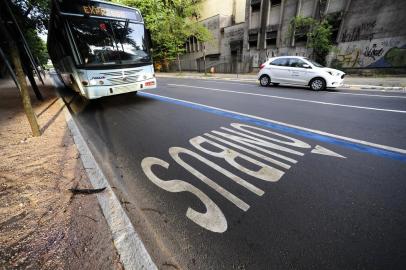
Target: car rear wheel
318 84
264 80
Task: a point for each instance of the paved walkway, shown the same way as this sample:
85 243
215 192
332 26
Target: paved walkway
42 224
352 82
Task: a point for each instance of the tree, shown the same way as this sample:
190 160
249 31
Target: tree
171 22
32 17
318 35
37 46
32 14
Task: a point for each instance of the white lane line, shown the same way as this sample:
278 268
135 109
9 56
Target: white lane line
380 146
228 82
252 83
371 95
287 98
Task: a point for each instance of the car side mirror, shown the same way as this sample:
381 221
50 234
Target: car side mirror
306 66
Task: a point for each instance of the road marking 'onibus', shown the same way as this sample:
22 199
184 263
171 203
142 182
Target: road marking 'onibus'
267 169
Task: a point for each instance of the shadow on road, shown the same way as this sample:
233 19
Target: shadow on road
77 104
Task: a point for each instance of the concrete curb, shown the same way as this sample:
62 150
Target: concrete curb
376 87
346 86
133 254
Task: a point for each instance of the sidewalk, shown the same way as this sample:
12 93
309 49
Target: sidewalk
350 82
43 225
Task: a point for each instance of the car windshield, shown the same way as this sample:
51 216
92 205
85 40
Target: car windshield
106 42
314 63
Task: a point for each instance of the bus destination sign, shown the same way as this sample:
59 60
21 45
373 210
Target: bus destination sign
94 8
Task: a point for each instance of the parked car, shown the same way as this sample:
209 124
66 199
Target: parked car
296 70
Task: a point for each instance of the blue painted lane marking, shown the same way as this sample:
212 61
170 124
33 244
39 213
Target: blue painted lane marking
351 145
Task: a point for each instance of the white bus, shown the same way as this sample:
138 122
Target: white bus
99 48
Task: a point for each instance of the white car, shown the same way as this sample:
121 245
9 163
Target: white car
296 70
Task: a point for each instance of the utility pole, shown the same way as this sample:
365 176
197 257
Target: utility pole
15 59
179 66
204 58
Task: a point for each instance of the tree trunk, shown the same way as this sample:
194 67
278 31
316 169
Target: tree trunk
179 66
32 119
34 85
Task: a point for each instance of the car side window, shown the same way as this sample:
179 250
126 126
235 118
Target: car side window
280 62
295 62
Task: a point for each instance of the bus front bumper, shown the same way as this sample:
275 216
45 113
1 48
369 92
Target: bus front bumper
93 92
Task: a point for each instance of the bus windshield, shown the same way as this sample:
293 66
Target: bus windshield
110 42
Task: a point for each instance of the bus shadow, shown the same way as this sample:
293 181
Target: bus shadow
78 104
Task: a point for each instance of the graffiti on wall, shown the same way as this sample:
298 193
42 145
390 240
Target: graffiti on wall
363 31
349 58
375 53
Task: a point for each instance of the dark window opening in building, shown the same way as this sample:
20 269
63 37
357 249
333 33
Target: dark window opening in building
334 35
255 5
301 34
275 2
236 48
271 38
213 57
253 40
300 38
185 47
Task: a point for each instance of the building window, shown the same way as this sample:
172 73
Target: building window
185 47
301 34
197 47
300 38
271 38
255 5
253 40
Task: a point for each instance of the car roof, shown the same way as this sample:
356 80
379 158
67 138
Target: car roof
288 56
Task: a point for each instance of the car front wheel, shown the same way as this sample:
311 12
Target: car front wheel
264 80
318 84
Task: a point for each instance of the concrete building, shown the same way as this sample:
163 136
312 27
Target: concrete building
366 33
226 21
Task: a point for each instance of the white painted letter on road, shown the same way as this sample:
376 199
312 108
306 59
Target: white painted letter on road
265 172
213 220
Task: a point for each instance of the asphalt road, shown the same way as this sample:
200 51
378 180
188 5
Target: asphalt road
227 175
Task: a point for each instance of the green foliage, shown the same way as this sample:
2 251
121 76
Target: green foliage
171 22
32 17
32 14
318 35
38 46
